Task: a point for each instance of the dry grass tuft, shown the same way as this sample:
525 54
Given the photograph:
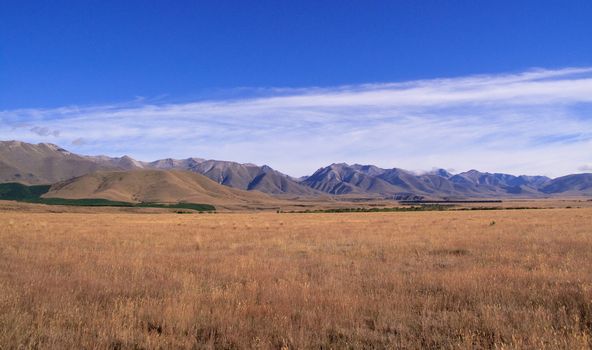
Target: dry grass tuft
426 280
198 243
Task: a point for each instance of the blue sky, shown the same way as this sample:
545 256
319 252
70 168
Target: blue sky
493 85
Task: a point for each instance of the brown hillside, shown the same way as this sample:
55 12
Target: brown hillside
153 186
43 163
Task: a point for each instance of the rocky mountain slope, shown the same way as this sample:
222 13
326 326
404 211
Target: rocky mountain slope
356 179
43 163
577 184
48 164
161 186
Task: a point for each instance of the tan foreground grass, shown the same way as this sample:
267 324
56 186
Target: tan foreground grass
430 280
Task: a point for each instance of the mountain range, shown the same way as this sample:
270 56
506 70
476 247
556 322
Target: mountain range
50 164
154 186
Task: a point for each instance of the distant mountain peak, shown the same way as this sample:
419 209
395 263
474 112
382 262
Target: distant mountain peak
42 163
47 163
442 172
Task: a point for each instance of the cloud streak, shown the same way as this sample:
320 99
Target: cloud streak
536 122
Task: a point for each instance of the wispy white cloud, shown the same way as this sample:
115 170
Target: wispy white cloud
536 122
44 131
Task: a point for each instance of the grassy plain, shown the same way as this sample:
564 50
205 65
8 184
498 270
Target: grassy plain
410 280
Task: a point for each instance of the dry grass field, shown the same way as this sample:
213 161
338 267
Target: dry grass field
415 280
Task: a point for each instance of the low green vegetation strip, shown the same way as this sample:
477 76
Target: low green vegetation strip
429 207
32 194
375 210
450 201
191 206
90 202
19 192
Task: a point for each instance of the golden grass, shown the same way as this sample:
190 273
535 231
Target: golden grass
431 280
